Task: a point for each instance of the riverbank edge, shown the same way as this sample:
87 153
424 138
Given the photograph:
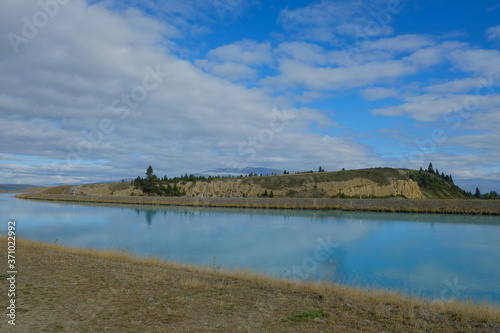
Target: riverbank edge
435 206
459 311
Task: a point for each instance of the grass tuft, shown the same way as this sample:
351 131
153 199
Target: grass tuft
308 315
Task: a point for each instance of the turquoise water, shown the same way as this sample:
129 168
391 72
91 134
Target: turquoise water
441 256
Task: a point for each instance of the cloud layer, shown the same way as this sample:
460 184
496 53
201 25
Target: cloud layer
99 91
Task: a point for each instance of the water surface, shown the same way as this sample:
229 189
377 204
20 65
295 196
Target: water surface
441 256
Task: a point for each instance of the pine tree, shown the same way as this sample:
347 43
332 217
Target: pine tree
478 193
271 195
430 169
170 191
149 174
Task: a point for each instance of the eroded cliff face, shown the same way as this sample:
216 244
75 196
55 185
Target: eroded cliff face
246 187
364 187
356 187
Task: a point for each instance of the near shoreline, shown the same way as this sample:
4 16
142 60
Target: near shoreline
439 206
75 290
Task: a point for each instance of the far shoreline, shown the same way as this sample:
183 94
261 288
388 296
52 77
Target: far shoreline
397 205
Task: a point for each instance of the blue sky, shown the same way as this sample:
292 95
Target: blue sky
94 91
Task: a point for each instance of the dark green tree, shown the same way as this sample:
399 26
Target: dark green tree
170 191
430 169
271 195
149 174
478 193
137 182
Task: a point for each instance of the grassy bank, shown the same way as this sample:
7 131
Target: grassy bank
455 206
62 289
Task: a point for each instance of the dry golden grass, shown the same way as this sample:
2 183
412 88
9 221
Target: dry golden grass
55 190
63 289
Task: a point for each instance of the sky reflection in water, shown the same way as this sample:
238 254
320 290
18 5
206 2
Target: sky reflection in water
443 256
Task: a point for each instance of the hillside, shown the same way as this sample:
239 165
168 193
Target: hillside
365 183
434 186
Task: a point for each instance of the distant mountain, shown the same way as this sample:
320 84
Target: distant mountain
240 171
126 180
15 187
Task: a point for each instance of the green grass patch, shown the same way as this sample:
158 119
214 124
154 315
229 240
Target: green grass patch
380 176
308 315
3 277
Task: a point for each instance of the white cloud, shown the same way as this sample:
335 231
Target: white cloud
425 57
478 61
435 107
9 157
246 52
229 70
493 33
334 21
333 78
460 85
401 43
301 51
